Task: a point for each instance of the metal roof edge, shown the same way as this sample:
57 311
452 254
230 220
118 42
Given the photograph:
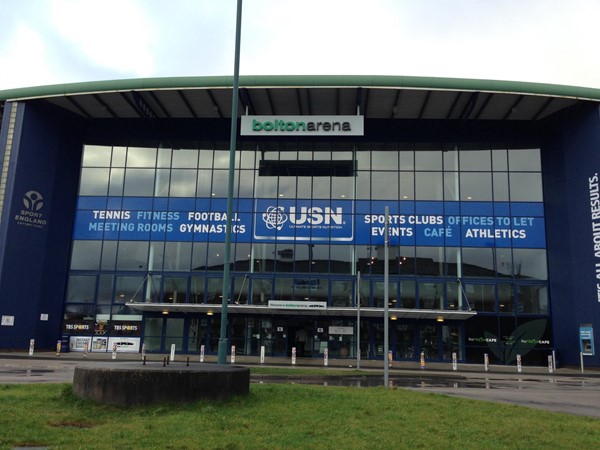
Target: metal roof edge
306 81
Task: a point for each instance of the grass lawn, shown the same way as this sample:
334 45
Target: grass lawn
286 416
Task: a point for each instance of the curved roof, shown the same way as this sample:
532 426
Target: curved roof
373 96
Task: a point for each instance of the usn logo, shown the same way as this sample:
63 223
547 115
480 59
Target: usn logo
275 217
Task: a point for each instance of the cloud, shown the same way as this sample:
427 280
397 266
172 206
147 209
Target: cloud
113 34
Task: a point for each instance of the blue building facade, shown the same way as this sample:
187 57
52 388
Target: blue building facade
114 209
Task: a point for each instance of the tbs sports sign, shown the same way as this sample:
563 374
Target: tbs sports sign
303 221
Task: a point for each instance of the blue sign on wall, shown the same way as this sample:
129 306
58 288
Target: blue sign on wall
472 224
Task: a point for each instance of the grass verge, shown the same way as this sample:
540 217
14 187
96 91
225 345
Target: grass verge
286 416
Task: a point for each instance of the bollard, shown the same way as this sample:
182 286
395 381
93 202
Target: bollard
144 360
262 354
519 367
172 352
164 361
550 365
187 364
58 348
85 350
202 353
454 362
31 346
114 352
422 360
390 358
326 357
233 354
293 356
486 361
143 351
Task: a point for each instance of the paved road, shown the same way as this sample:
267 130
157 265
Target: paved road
565 391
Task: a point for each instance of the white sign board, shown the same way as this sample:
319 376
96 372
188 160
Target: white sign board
291 304
302 126
8 321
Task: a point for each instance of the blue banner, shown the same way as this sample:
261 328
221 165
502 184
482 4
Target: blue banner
467 224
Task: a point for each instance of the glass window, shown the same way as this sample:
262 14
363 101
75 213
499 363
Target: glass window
96 156
206 159
341 259
164 157
503 262
407 186
264 255
450 160
177 256
214 290
119 156
116 183
105 288
131 289
429 186
407 160
363 185
341 293
216 253
185 159
453 296
428 160
451 186
93 181
241 287
197 289
245 180
247 159
385 185
174 289
86 255
408 294
132 255
109 255
524 160
530 263
220 183
199 253
183 183
506 298
431 295
221 159
174 333
499 160
321 187
261 291
139 182
500 187
430 261
141 157
384 160
533 299
481 297
161 185
204 184
377 292
477 262
156 256
526 187
363 159
81 289
475 160
475 187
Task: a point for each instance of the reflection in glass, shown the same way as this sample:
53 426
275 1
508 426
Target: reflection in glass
506 298
475 187
526 187
139 182
482 297
532 299
81 289
261 291
477 262
177 256
132 255
197 289
429 186
530 263
525 160
475 160
86 255
174 289
183 183
431 295
96 156
105 288
141 157
130 289
428 160
93 181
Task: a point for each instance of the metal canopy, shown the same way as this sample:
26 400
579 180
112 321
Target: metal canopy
374 97
319 312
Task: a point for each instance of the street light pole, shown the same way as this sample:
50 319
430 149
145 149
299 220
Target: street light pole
222 355
386 298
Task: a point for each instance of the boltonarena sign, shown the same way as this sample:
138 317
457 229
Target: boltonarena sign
302 126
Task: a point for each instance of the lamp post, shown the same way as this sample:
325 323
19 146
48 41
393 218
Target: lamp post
386 298
222 354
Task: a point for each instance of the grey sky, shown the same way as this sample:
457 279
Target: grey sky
62 41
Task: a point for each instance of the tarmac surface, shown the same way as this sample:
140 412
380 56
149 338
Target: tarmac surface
565 390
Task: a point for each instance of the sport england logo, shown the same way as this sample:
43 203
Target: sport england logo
33 201
275 217
30 215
